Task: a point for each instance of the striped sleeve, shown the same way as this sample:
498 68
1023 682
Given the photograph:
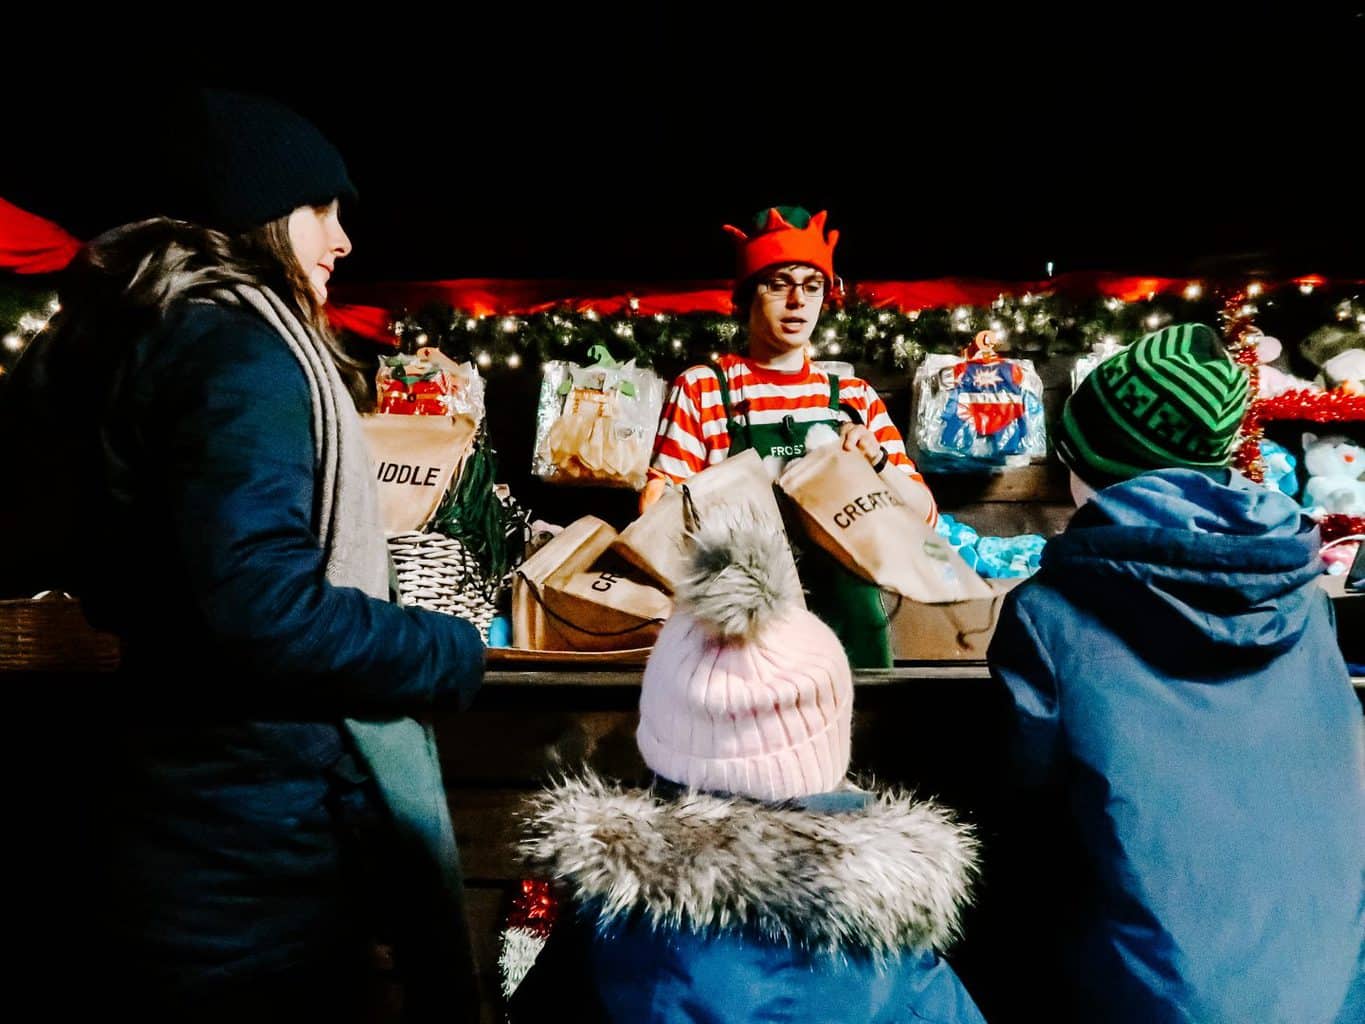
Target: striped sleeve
691 432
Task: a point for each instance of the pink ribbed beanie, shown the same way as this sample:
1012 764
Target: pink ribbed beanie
745 691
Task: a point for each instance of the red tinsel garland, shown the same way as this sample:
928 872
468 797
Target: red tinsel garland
534 908
1240 335
1339 524
1335 406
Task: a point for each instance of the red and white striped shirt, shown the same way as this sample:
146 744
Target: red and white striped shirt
692 431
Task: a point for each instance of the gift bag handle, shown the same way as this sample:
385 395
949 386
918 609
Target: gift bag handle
540 600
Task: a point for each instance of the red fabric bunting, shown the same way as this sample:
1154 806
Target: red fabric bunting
373 322
31 245
485 296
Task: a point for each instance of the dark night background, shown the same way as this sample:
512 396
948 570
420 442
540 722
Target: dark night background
1208 140
593 146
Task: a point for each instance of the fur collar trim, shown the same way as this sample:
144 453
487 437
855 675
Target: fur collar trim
891 875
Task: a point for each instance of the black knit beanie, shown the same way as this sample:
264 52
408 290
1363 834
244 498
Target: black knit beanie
239 161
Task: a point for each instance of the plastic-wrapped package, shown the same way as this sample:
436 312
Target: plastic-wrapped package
1087 361
993 557
979 407
596 424
429 383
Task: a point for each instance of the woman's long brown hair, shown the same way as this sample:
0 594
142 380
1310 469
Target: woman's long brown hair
129 278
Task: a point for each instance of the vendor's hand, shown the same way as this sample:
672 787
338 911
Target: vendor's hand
653 491
858 438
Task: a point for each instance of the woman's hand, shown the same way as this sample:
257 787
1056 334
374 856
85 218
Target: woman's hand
857 437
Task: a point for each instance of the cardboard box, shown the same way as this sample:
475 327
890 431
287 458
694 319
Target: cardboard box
948 632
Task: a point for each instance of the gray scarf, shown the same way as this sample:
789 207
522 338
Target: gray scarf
400 752
345 502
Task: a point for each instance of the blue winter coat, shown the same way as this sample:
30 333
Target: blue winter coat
241 830
699 907
1177 688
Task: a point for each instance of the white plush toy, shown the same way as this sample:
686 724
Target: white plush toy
1273 380
1334 465
1346 370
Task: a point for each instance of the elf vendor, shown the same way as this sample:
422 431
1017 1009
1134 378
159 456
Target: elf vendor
772 397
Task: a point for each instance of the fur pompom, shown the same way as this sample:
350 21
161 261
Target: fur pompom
739 578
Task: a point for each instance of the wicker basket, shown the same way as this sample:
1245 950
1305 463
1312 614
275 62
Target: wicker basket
437 573
49 633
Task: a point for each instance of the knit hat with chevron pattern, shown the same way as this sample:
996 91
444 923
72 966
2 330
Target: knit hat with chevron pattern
1172 398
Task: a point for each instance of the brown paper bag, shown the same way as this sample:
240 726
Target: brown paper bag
415 458
865 523
599 610
960 631
656 543
559 605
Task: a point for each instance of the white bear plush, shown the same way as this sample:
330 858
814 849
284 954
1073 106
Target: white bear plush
1346 370
1273 380
1334 465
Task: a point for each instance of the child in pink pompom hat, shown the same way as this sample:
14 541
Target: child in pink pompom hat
752 880
745 691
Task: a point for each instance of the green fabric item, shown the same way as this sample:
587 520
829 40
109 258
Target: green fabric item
797 216
849 605
1174 398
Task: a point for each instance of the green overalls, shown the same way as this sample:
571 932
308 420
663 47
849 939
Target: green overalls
849 605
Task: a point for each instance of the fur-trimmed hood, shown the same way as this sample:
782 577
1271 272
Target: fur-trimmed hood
891 875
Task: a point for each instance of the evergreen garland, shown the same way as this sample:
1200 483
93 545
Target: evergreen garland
1034 326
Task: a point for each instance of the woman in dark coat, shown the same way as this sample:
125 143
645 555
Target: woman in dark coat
273 822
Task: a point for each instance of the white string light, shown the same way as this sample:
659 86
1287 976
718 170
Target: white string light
1193 290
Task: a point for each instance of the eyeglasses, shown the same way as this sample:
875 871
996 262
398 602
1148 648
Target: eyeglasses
781 287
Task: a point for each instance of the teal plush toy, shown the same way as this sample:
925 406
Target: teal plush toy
1280 466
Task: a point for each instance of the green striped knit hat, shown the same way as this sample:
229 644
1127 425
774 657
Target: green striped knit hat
1172 398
